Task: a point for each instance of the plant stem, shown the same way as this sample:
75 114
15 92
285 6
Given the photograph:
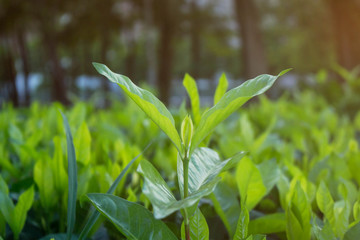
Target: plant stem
186 190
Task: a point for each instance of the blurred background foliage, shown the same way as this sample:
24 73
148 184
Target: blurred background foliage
46 47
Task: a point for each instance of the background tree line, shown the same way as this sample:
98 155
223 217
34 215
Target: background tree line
159 40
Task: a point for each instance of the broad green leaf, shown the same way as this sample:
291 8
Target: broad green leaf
226 206
221 88
20 211
72 179
95 215
159 194
204 166
152 106
353 233
229 103
250 183
242 225
199 229
326 204
44 179
270 223
82 144
131 219
298 215
191 88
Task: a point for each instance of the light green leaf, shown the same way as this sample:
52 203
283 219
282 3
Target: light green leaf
270 223
191 88
324 233
20 211
242 226
298 216
57 164
44 179
226 206
82 143
72 179
131 219
229 103
152 106
326 204
159 194
250 183
221 88
199 229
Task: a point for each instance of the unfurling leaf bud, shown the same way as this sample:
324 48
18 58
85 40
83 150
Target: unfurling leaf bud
187 129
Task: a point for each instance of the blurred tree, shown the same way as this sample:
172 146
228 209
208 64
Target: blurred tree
47 15
14 19
253 49
346 29
167 16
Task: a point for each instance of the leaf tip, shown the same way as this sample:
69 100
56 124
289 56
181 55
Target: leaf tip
284 71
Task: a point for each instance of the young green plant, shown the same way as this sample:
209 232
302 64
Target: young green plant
198 167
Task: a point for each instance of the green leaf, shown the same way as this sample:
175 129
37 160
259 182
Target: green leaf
20 211
242 225
152 106
221 88
159 194
199 229
44 179
72 179
298 216
270 223
353 232
270 174
229 103
226 206
324 233
191 88
326 204
95 215
6 204
57 165
204 166
131 219
250 183
82 144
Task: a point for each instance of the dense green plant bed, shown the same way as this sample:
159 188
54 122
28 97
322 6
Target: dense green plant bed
274 170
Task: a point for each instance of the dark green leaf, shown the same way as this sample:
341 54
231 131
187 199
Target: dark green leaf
131 219
353 233
95 214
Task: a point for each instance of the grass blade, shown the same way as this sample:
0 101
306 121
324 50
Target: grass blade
72 174
95 214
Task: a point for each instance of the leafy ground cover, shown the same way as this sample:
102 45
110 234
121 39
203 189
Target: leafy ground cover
298 180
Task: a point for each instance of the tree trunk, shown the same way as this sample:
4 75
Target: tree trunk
166 52
56 71
150 49
195 40
346 19
25 64
10 75
253 49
